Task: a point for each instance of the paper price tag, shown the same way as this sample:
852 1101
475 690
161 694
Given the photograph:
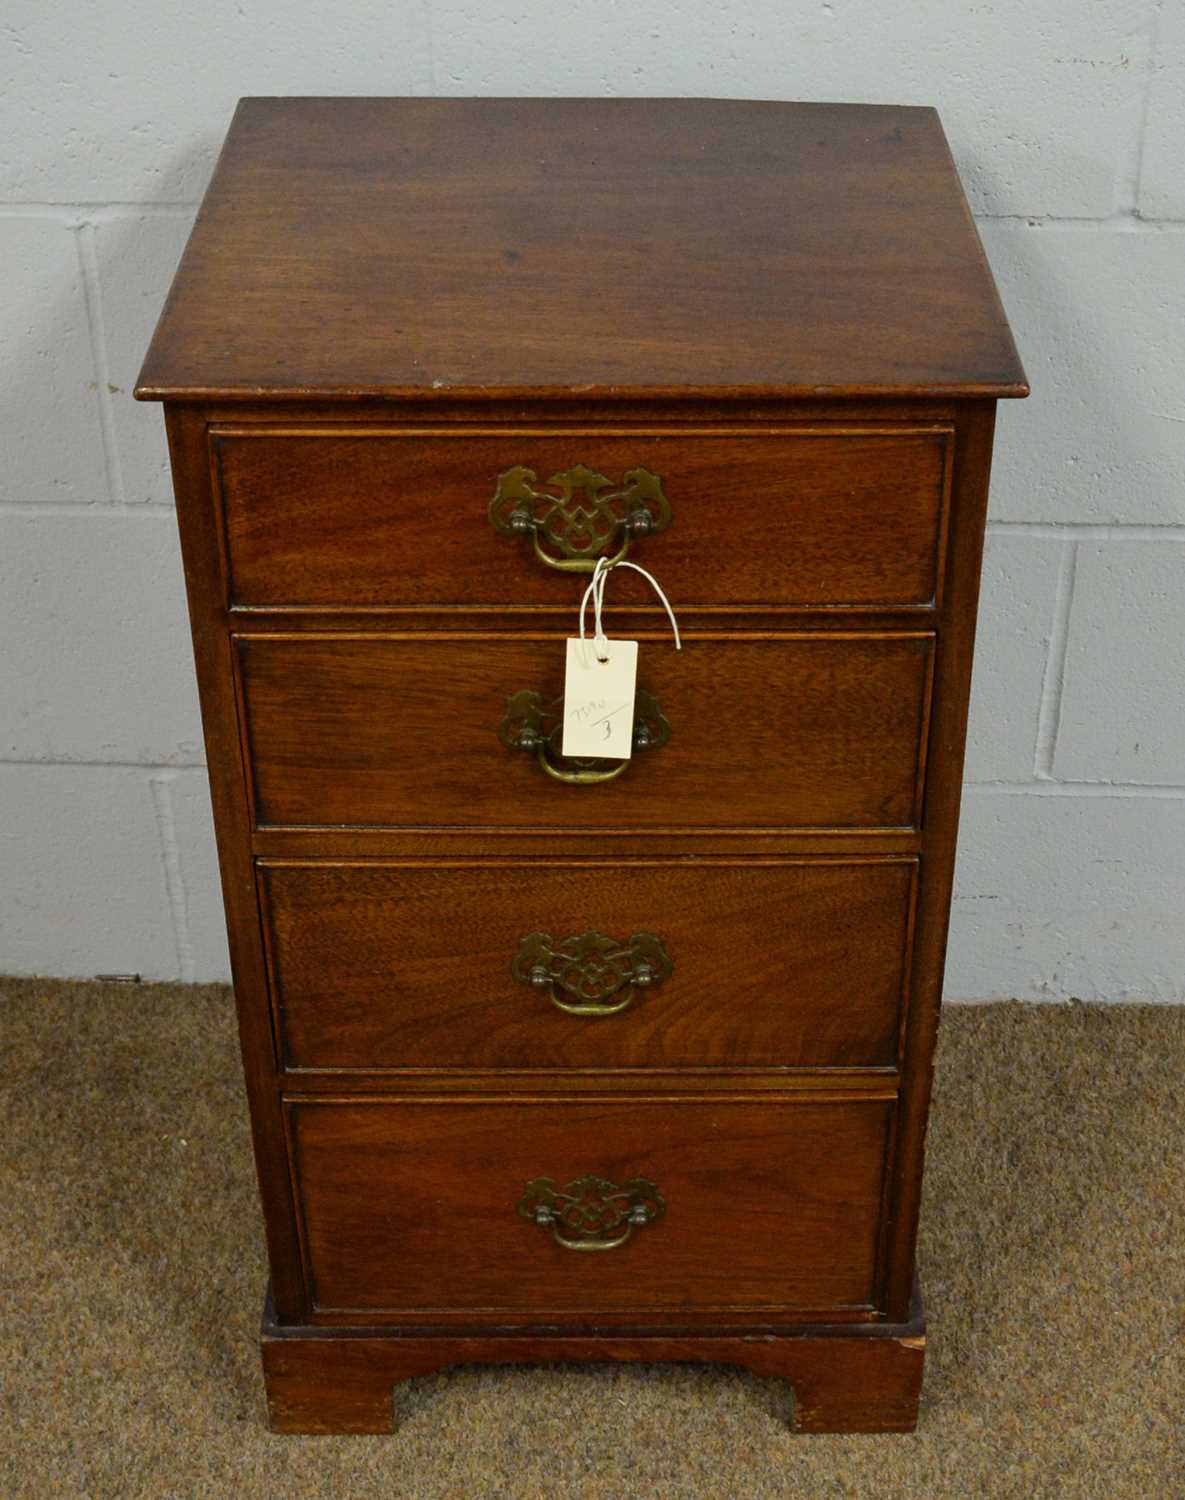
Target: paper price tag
599 700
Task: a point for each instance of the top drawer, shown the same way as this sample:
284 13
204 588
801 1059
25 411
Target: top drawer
370 516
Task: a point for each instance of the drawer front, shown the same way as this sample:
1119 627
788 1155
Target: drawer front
762 965
376 516
817 730
410 1207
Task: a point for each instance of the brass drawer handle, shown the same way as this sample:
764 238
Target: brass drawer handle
590 1213
532 725
591 970
585 520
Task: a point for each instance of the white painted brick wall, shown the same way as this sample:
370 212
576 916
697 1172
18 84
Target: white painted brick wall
1161 178
135 256
1123 703
1097 310
82 887
49 389
96 665
1067 121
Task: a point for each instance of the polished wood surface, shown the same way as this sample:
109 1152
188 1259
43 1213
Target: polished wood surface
847 1377
948 737
353 515
408 1207
800 730
783 311
607 247
379 966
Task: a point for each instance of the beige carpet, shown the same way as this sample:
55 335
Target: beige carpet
1053 1259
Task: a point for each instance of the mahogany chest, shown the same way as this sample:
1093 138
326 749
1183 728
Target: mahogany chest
552 1058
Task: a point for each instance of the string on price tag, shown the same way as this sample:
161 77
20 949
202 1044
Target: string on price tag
600 678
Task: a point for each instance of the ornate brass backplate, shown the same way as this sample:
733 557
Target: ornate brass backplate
536 726
585 520
591 974
591 1213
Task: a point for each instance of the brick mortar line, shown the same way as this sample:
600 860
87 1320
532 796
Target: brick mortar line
1151 38
1053 678
428 22
155 508
1144 42
1087 791
1043 788
88 262
160 785
1122 221
105 765
1086 531
75 213
1172 532
1054 999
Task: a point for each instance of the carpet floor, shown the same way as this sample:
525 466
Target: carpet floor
131 1277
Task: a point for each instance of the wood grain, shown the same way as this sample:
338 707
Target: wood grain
399 966
846 1377
232 822
943 793
421 248
349 515
792 731
785 312
409 1206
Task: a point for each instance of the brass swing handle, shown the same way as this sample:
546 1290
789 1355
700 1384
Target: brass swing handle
591 1213
536 726
585 520
591 974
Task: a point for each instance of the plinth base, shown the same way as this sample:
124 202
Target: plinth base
847 1377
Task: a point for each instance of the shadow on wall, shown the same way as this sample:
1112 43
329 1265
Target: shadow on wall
1096 314
136 253
103 807
82 292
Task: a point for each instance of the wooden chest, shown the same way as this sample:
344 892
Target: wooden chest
579 1060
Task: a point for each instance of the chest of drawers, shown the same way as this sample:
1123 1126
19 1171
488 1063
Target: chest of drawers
551 1059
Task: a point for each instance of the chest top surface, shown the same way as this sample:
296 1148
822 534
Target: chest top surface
395 248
